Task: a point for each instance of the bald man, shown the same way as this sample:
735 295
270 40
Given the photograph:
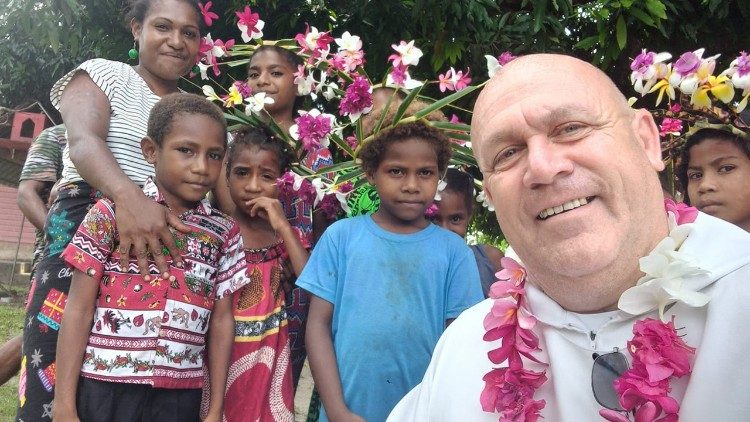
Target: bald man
572 172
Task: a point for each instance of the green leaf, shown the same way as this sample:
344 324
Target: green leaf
345 177
622 32
437 105
459 127
587 43
405 104
342 144
656 8
641 16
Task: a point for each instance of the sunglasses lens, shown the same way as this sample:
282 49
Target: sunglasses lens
607 368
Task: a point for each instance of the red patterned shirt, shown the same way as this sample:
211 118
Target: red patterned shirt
153 332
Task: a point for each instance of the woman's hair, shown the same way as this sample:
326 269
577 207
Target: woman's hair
261 138
138 10
697 138
170 106
373 151
461 183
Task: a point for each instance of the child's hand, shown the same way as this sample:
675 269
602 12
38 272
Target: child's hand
268 209
63 414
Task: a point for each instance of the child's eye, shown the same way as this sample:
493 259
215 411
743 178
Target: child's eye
456 219
240 172
396 172
216 156
184 150
726 168
277 74
252 75
694 176
426 172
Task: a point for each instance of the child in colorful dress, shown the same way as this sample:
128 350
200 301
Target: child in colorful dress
384 286
454 212
714 172
260 378
132 347
271 70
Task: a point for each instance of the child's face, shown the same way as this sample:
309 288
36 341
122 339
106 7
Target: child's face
271 73
718 175
452 213
406 181
189 160
253 175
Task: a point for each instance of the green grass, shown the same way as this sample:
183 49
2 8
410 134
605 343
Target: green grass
11 324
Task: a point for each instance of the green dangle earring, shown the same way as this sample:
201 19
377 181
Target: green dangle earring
133 52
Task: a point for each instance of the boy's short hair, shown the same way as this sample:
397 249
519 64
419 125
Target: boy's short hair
461 183
165 110
371 153
261 138
697 138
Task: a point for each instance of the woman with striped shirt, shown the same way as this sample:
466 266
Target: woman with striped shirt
105 107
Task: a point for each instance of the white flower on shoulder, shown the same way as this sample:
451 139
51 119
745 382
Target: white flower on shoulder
667 277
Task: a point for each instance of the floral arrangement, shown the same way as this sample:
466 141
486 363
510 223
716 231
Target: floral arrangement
696 98
334 78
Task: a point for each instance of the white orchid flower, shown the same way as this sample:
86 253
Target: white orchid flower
210 93
349 42
257 102
482 197
492 65
440 188
247 37
410 54
329 92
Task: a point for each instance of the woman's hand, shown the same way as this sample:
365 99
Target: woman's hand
143 227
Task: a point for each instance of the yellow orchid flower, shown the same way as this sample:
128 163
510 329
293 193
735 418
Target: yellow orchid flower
234 98
663 87
743 103
719 86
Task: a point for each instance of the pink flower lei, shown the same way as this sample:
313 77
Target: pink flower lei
659 355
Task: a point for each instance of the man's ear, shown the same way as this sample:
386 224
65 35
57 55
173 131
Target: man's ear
149 150
647 134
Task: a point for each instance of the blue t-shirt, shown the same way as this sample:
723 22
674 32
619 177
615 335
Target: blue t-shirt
391 295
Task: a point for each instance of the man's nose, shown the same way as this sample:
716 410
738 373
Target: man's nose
545 161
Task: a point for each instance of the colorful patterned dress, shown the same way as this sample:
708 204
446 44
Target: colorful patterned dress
259 385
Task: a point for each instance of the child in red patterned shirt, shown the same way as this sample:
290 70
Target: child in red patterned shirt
142 357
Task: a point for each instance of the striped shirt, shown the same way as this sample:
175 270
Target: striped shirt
130 102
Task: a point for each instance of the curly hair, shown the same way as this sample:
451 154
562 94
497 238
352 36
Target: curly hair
372 152
165 110
261 138
697 138
461 183
137 10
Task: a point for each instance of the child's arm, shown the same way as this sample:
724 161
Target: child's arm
323 361
71 344
220 341
271 209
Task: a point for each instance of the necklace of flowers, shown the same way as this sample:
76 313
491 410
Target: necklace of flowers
659 353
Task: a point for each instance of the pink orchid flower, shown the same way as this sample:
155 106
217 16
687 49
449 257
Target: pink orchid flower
682 212
250 24
208 15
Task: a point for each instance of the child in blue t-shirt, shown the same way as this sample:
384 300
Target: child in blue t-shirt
386 285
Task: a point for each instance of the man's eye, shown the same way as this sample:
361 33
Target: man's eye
184 150
726 168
